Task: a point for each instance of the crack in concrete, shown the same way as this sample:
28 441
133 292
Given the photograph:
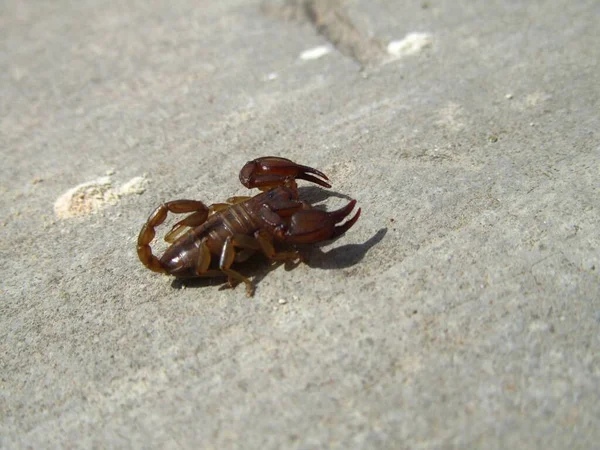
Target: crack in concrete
331 21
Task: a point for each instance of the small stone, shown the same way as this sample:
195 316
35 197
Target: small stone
315 53
412 43
282 301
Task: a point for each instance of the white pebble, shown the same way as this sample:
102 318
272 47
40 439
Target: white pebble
315 52
411 44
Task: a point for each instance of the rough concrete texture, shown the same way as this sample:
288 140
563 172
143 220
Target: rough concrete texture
463 309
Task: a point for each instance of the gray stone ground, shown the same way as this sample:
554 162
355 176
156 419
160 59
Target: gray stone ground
463 309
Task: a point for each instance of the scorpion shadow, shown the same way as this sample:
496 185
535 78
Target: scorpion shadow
257 267
341 257
313 194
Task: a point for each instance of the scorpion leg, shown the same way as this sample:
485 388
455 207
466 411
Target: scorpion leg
265 241
270 171
237 199
203 263
217 207
243 255
261 241
227 258
156 218
247 245
193 220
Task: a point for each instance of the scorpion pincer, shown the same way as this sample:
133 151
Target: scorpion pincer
230 232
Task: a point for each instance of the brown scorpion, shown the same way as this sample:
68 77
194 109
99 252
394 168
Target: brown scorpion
233 231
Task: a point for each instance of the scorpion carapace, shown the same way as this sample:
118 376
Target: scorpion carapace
233 231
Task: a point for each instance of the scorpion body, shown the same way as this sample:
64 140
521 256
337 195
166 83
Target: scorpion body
233 231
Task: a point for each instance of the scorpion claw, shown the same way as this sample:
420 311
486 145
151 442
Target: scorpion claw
341 214
270 171
313 225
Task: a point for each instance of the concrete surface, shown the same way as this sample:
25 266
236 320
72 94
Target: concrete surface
462 311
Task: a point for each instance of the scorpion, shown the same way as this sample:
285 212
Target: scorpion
233 231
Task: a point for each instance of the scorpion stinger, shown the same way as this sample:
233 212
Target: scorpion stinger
271 171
